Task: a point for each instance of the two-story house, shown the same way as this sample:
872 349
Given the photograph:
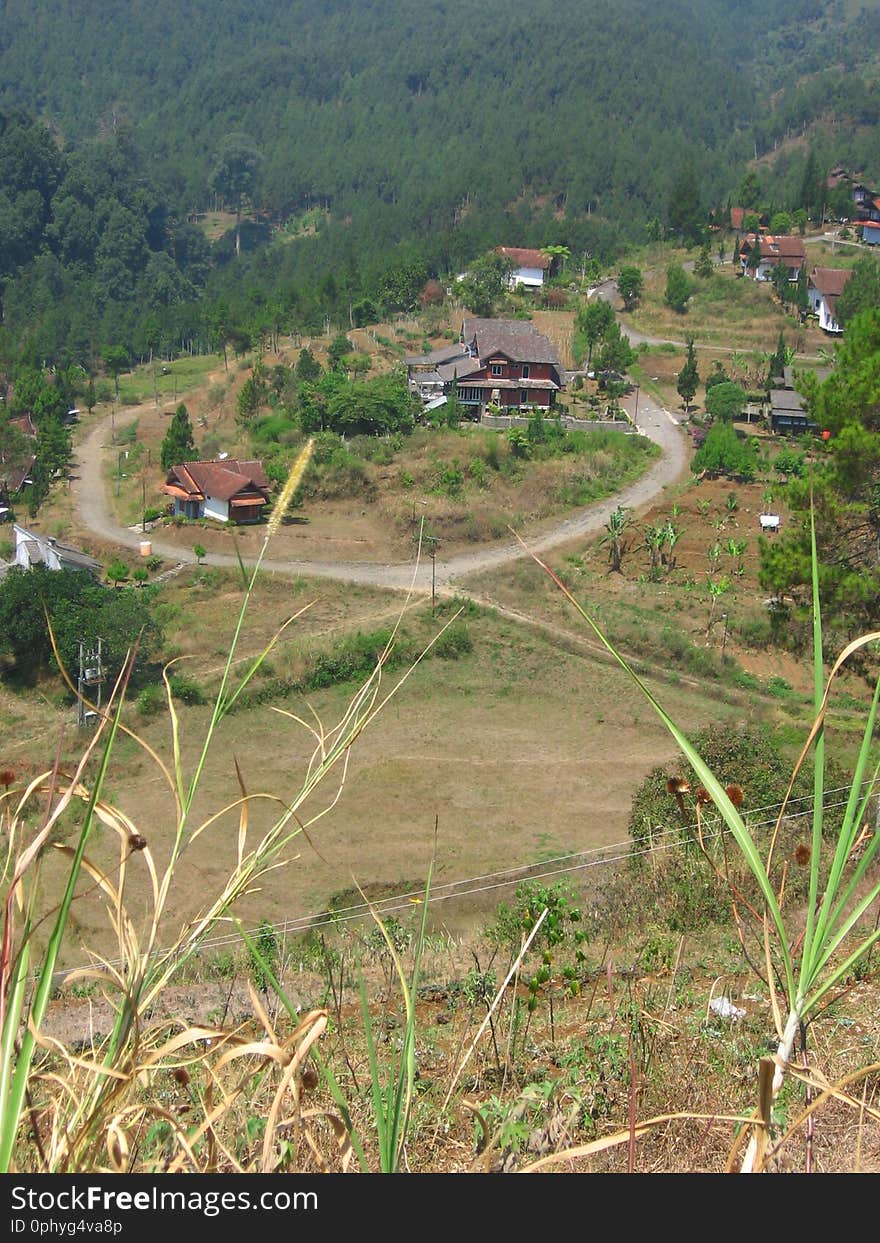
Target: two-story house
773 251
505 363
824 287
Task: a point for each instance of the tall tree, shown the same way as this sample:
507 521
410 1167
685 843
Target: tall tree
630 284
703 265
779 361
687 216
678 288
843 492
594 320
178 445
235 174
862 290
688 377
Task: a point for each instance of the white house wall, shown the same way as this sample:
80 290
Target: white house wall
218 510
532 278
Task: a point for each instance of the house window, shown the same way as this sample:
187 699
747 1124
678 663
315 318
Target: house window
523 396
497 369
526 371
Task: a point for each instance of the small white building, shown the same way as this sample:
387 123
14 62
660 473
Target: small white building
33 549
824 287
532 267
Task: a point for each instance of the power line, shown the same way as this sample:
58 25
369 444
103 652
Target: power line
471 886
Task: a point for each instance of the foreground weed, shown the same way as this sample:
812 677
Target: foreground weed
803 968
72 1104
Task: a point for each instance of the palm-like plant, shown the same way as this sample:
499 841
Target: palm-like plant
619 522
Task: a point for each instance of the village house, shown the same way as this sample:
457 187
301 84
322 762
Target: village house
824 287
15 468
227 491
32 549
505 363
773 251
788 408
531 267
871 233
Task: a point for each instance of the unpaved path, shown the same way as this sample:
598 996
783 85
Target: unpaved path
653 421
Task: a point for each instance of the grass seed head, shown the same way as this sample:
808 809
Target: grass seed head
294 479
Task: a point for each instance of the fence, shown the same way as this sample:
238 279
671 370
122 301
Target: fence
584 425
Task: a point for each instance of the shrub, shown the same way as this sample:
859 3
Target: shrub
151 701
186 690
454 642
354 657
723 453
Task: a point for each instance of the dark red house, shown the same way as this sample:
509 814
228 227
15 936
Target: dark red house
503 363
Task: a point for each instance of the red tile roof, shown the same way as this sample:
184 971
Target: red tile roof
222 480
525 258
737 215
830 281
786 248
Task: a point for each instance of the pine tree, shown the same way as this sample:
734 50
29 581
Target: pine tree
777 362
178 445
703 265
688 377
807 196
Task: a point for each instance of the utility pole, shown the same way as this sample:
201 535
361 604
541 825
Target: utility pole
433 541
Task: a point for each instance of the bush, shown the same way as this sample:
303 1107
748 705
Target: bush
750 757
151 701
723 453
186 690
354 657
454 642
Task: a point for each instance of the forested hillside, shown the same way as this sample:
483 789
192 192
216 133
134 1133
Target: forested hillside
410 135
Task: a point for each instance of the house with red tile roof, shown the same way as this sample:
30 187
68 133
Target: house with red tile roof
227 490
531 267
824 287
773 251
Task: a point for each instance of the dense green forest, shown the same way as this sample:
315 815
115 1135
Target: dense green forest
410 135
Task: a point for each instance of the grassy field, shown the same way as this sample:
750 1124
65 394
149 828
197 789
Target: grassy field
514 747
728 311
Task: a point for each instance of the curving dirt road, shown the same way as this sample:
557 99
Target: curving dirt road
653 421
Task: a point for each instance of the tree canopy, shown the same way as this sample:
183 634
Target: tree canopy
77 608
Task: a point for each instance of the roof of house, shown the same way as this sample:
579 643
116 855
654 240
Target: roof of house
830 281
38 547
515 338
221 480
870 224
445 354
783 248
737 215
524 258
14 474
25 425
787 400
